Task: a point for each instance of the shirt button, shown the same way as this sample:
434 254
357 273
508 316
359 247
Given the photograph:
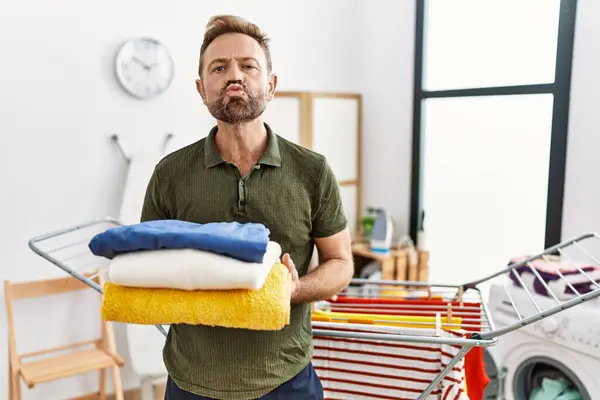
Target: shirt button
241 183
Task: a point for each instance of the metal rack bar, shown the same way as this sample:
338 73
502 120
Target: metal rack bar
405 338
50 254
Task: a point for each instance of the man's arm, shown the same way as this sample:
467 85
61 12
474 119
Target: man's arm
333 274
332 238
154 206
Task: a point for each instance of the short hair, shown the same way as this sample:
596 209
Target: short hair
222 24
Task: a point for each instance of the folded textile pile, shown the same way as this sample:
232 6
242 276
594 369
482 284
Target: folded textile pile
550 271
218 274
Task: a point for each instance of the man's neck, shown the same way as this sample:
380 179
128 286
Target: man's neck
242 143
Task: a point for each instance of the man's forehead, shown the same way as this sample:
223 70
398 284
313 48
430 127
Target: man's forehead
233 45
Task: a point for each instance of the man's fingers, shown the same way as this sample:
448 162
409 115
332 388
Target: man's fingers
287 261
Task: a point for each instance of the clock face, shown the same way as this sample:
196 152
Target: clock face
144 68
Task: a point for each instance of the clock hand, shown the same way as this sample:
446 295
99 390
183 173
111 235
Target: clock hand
137 60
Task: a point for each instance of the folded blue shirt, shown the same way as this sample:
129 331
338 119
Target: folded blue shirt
246 242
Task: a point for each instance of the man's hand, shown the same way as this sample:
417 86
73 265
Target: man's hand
287 261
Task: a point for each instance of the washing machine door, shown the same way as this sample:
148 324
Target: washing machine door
542 377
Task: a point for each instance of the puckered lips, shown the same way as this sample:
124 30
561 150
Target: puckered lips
235 90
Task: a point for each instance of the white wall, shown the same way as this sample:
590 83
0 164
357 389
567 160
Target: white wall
60 103
387 53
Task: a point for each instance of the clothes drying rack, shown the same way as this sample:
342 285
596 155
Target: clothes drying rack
68 249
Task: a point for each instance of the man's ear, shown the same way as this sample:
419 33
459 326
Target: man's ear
272 86
200 89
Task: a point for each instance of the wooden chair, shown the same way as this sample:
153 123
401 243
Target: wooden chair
94 355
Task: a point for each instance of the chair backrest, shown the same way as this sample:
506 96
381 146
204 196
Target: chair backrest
42 288
27 290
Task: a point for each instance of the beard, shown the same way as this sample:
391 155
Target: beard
237 110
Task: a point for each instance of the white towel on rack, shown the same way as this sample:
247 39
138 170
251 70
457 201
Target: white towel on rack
190 269
145 344
141 167
358 369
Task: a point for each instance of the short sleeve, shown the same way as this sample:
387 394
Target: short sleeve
329 217
154 207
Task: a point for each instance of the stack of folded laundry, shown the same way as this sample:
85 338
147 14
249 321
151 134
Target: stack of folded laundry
220 274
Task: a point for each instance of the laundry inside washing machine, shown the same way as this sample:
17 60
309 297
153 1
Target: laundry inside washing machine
541 378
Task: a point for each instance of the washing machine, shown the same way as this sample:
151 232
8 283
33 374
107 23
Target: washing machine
561 348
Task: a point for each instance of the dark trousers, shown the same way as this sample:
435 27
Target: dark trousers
304 386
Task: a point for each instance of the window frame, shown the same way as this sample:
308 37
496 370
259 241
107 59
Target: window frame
561 89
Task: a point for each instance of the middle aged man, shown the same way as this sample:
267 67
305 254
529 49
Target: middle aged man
242 171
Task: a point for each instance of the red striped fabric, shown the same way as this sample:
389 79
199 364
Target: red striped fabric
357 369
469 312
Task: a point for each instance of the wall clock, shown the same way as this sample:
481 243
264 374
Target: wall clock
144 67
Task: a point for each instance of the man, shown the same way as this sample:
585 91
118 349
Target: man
242 171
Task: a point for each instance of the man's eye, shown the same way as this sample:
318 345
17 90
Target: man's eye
249 66
219 69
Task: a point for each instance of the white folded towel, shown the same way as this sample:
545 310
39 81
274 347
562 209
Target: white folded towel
190 269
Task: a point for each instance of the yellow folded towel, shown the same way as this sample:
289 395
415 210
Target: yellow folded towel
267 308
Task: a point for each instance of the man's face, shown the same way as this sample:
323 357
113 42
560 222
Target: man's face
235 84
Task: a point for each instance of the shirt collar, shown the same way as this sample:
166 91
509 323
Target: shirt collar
271 156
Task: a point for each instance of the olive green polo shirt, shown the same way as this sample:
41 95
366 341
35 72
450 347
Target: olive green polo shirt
294 193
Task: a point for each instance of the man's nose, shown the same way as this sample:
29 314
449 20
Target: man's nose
235 73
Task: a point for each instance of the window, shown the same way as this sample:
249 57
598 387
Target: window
474 43
491 111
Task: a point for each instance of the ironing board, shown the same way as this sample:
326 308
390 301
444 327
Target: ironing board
145 346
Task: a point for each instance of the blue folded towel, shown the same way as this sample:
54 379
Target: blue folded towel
246 242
